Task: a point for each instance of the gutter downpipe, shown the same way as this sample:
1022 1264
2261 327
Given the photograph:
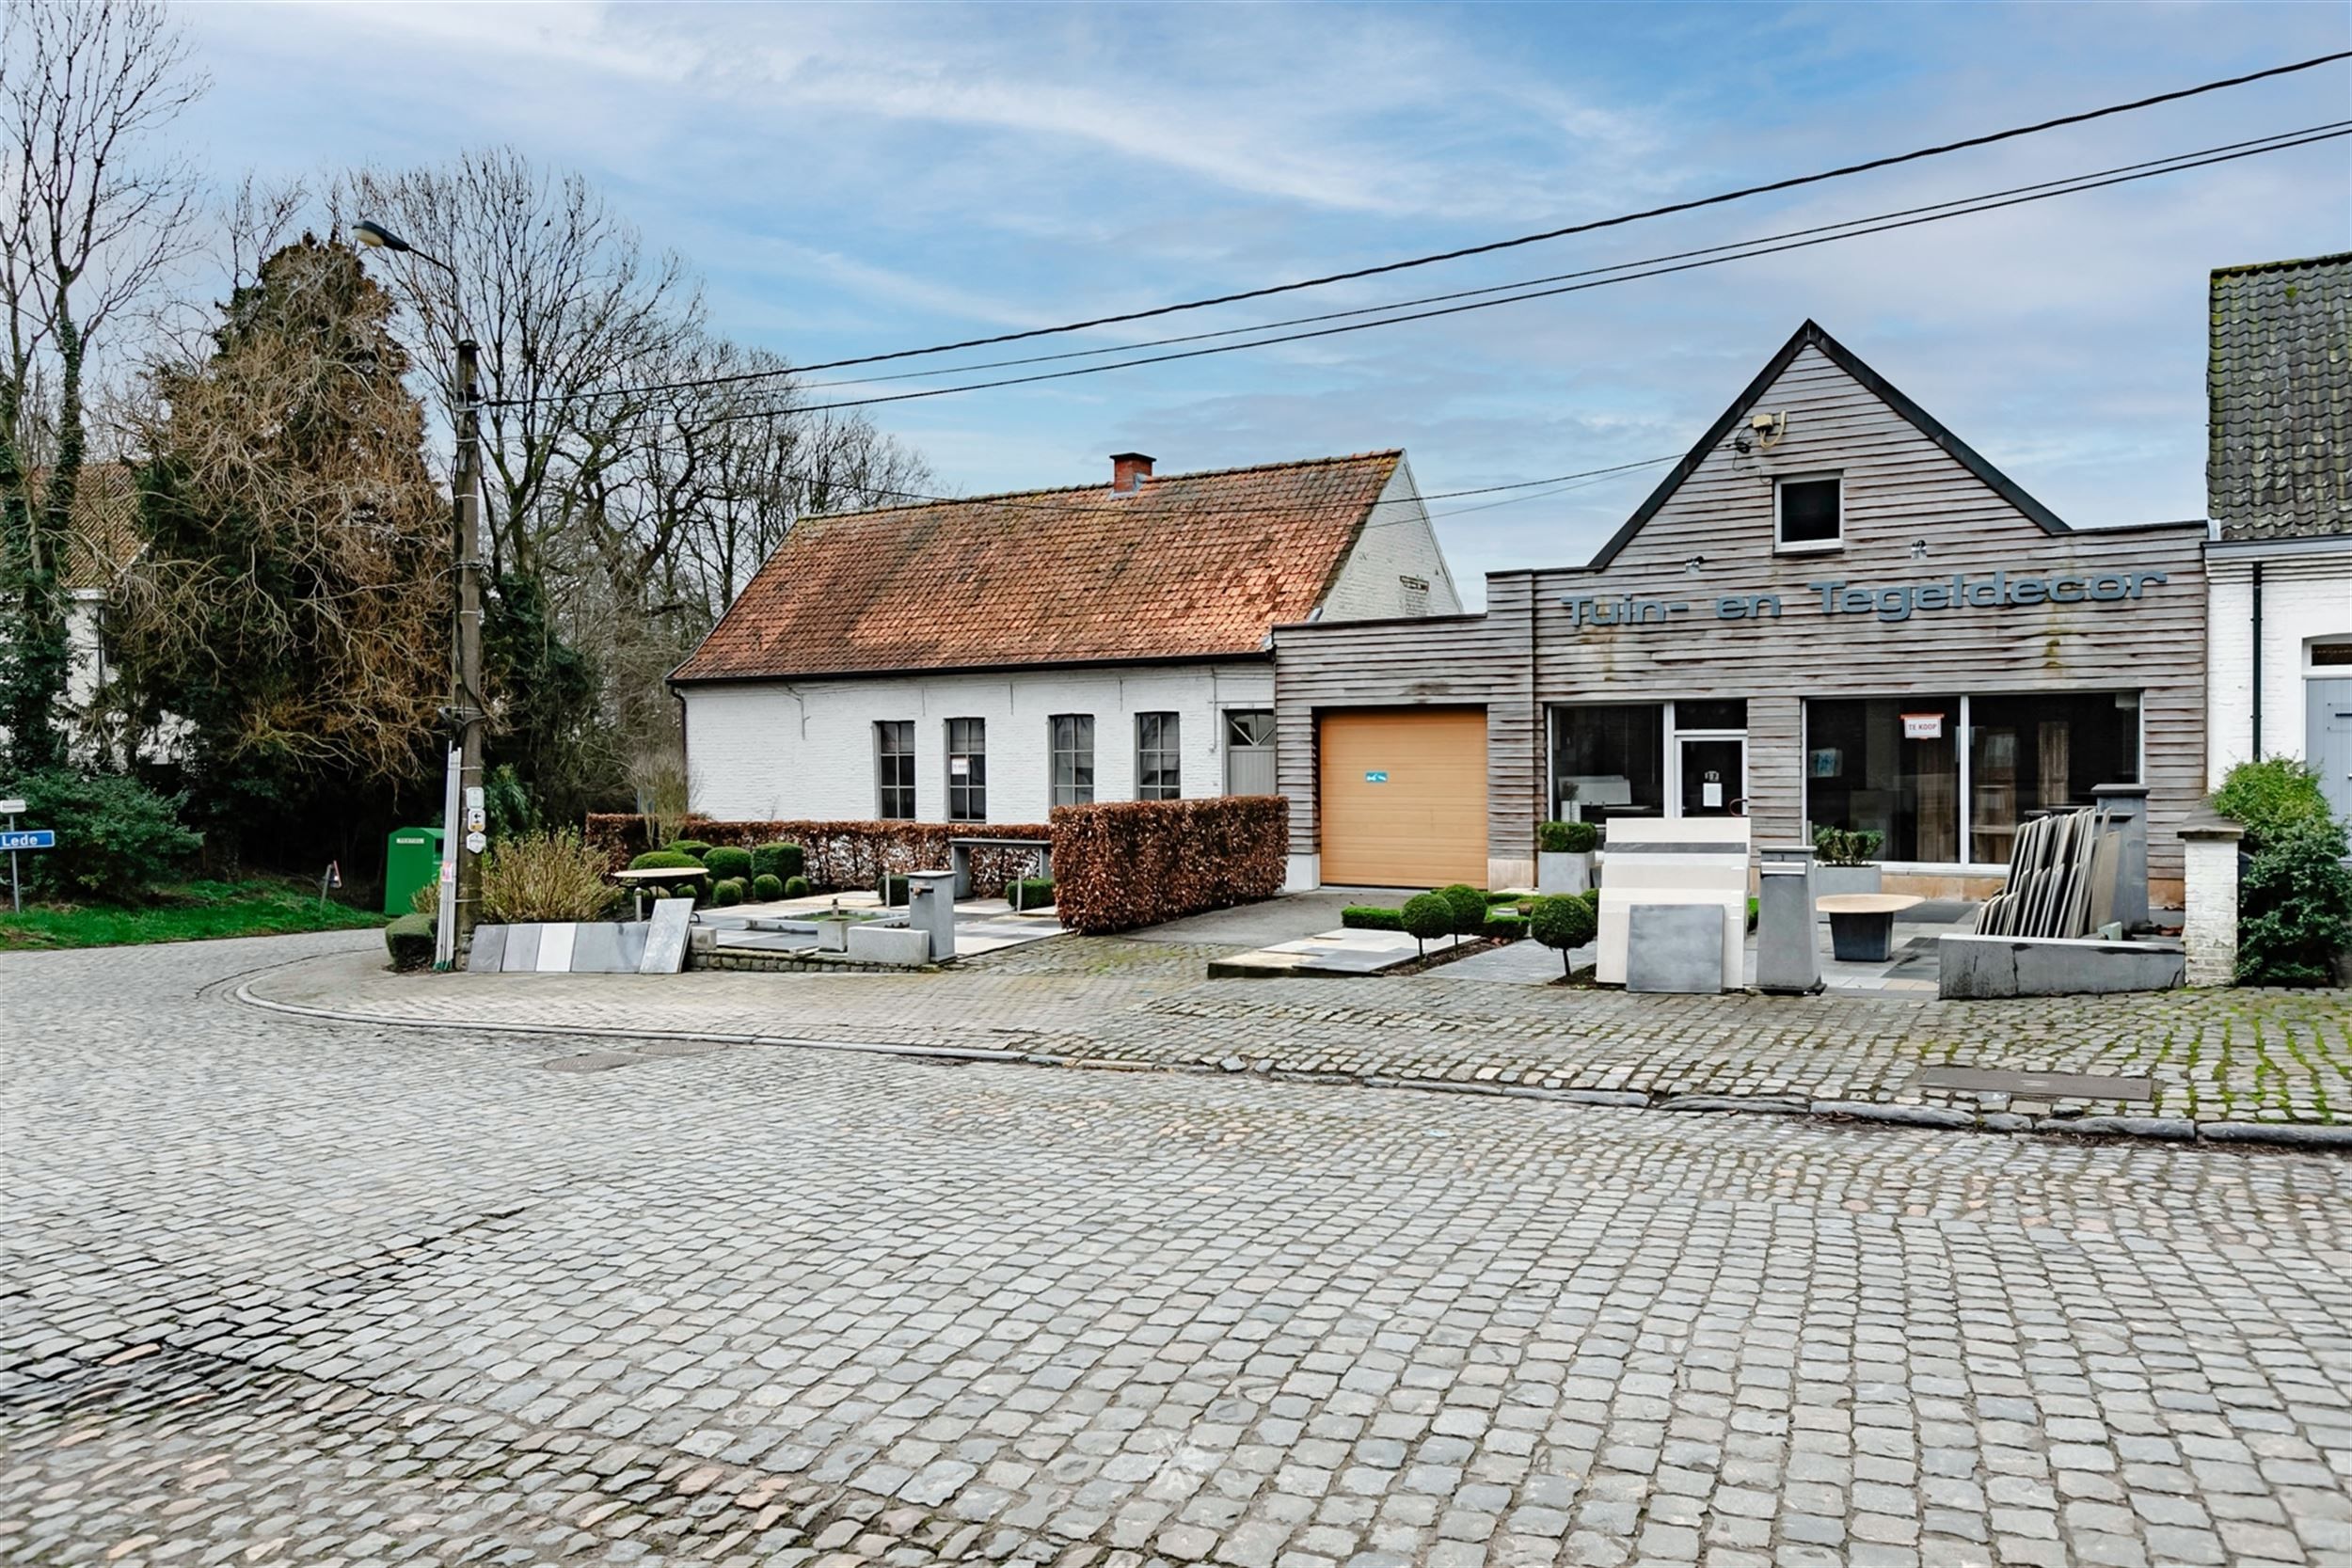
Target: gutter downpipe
2257 753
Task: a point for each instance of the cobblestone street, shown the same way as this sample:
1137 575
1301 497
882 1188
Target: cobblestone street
284 1288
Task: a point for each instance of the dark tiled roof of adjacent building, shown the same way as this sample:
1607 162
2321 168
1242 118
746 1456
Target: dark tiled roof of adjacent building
2280 384
1187 566
104 539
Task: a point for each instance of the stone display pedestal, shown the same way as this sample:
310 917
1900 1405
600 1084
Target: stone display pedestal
2127 804
1787 951
932 909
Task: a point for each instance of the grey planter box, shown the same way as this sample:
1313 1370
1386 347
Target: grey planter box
832 936
1844 878
1563 873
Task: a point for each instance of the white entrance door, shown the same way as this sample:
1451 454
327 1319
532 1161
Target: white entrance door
2328 739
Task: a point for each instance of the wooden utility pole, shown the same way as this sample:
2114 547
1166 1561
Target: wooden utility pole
467 833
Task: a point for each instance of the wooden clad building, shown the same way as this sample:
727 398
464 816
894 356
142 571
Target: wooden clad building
1830 613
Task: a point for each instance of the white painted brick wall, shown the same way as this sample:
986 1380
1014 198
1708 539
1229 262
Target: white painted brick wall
773 749
2304 596
1397 541
2209 915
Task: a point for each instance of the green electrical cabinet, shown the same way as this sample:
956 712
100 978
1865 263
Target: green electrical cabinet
412 858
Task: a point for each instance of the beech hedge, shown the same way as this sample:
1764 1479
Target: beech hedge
1121 864
841 855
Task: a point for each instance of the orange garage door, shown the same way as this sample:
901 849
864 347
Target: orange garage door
1404 796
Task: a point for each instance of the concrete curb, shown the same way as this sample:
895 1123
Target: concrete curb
2305 1137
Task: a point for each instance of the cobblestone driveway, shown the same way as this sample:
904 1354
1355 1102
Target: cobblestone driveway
281 1291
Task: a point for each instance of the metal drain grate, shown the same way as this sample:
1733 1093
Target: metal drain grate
2045 1085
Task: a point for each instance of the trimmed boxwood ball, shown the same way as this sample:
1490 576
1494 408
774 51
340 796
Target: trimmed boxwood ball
782 861
663 860
1469 906
694 846
409 941
1427 915
728 892
727 862
796 887
1566 838
1565 923
767 887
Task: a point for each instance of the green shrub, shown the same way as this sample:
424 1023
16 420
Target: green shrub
1566 838
796 887
2295 906
785 861
1030 893
1504 925
694 846
409 939
1427 915
727 890
1371 917
728 863
1592 899
508 809
116 837
663 860
1565 923
767 887
545 875
2269 796
1468 905
894 890
1847 846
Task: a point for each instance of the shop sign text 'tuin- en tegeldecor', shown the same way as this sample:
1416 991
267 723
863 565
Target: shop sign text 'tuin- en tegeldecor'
1889 605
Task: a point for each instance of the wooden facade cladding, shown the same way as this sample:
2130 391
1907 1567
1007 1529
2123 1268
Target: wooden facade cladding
1920 509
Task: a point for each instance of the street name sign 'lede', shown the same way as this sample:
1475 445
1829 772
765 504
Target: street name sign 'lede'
35 838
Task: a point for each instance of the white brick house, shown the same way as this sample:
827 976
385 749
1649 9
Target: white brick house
984 660
2279 488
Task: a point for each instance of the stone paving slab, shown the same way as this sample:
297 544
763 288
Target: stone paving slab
286 1290
2256 1057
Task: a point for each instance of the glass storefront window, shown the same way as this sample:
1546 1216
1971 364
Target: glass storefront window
2040 751
1888 766
1615 757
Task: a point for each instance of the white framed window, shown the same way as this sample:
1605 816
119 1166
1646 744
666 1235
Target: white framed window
1808 512
967 771
1072 744
893 769
1159 762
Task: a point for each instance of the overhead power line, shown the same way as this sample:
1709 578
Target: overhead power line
1625 271
1488 248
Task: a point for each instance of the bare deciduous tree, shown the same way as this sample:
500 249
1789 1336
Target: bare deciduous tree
89 221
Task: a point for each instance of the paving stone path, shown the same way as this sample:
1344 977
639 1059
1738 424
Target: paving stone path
2280 1057
281 1290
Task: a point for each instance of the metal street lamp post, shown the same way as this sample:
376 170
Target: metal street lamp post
465 824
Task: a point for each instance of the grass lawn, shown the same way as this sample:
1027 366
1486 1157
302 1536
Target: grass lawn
188 913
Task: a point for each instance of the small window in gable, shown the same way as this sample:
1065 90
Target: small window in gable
1809 514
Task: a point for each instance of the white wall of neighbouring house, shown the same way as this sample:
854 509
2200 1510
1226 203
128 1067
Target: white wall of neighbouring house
1395 548
2306 596
793 750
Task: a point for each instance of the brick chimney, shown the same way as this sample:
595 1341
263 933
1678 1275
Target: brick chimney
1129 470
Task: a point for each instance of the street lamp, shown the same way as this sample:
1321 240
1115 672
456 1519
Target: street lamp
464 819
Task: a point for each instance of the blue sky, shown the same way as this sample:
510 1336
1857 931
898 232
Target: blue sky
851 180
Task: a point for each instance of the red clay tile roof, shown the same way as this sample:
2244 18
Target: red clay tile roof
1191 566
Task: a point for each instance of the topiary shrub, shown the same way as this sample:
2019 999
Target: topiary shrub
409 939
663 860
1427 915
726 862
767 887
894 890
1565 923
116 837
1030 893
2294 905
1504 925
1567 838
728 892
1468 905
2269 796
694 846
796 887
783 861
1371 917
